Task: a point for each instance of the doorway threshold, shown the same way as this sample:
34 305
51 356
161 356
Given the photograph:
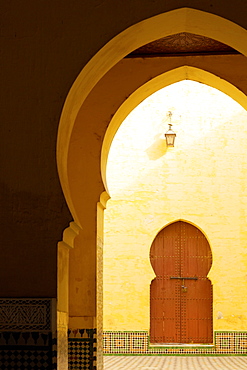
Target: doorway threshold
180 345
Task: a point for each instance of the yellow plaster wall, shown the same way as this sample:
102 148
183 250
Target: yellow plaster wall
201 180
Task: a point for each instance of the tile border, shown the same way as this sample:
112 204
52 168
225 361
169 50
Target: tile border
226 343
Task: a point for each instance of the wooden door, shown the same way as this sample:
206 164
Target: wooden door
181 293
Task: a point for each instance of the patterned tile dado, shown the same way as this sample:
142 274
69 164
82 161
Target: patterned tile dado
25 314
126 342
82 349
26 339
28 350
225 343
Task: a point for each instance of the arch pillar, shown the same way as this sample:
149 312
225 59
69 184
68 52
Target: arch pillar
64 247
85 318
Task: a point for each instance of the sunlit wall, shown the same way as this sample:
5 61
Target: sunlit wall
201 180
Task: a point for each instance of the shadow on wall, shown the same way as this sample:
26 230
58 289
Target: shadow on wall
157 149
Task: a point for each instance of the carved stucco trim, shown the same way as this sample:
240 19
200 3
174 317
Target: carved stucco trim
70 233
183 42
25 314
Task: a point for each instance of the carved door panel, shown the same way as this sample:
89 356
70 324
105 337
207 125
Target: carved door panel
181 293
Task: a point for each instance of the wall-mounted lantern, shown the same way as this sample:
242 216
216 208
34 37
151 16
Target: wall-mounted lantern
170 134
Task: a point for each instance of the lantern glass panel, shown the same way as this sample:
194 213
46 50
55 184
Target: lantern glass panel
170 138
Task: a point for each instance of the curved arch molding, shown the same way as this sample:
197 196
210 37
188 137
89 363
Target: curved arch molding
163 80
175 21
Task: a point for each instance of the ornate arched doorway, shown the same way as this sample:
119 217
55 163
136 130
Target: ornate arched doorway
181 293
77 161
